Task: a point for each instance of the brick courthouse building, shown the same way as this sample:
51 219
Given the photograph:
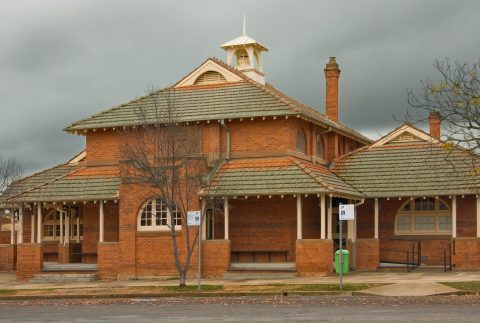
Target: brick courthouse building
284 169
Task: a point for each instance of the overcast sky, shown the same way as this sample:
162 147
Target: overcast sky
64 60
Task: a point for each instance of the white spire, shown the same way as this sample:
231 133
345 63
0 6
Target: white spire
246 51
244 24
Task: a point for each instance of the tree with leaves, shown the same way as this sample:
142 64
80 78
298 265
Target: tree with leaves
455 98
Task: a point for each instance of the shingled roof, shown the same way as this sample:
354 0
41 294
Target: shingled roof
68 182
243 99
421 169
281 176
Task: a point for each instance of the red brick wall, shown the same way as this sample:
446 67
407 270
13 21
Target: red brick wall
467 254
63 253
314 257
367 254
29 260
466 216
215 258
271 224
147 253
260 224
91 224
211 138
108 260
260 134
7 258
366 220
247 135
393 248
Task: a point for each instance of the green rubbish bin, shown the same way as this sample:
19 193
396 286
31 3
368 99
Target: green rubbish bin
346 256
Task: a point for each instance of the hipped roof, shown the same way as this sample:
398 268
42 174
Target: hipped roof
243 99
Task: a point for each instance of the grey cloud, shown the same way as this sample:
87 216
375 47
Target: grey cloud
64 60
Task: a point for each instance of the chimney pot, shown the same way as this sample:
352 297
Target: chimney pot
332 74
434 121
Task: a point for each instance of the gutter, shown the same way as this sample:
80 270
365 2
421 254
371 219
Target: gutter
227 129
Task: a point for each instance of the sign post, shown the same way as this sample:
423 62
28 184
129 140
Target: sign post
194 218
346 212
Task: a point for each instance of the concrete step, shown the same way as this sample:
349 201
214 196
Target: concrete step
254 274
261 270
263 266
56 267
43 278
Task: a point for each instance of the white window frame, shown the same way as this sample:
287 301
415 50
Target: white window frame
54 221
154 226
413 214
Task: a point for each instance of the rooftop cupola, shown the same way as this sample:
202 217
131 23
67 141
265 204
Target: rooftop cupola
247 53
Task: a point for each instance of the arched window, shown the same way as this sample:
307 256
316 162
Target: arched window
156 216
320 147
301 142
424 216
243 60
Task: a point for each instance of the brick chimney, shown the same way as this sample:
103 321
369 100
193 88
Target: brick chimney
332 73
434 120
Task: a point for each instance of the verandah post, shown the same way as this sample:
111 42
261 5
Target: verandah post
299 217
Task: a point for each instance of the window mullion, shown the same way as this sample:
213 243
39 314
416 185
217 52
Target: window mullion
154 214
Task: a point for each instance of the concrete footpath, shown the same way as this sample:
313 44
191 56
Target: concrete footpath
417 283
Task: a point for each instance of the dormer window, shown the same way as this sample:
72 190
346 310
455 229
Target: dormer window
301 142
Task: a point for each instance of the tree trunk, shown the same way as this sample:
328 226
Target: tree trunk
183 278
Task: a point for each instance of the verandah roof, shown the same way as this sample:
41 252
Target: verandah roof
409 170
284 176
69 182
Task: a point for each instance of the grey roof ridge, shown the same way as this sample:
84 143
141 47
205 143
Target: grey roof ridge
307 171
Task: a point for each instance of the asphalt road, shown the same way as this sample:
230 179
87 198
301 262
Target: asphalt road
247 309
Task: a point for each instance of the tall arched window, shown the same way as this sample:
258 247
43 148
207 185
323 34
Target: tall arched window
320 146
301 142
424 216
156 216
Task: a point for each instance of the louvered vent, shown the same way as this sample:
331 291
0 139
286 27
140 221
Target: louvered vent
210 77
405 137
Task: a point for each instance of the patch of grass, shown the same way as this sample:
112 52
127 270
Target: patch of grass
475 285
8 292
300 287
329 287
192 288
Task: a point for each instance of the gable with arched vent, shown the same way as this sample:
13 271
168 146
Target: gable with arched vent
210 77
209 72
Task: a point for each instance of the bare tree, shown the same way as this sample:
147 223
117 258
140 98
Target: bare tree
163 156
456 98
10 172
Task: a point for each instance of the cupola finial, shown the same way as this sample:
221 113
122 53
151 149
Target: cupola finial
244 53
244 24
